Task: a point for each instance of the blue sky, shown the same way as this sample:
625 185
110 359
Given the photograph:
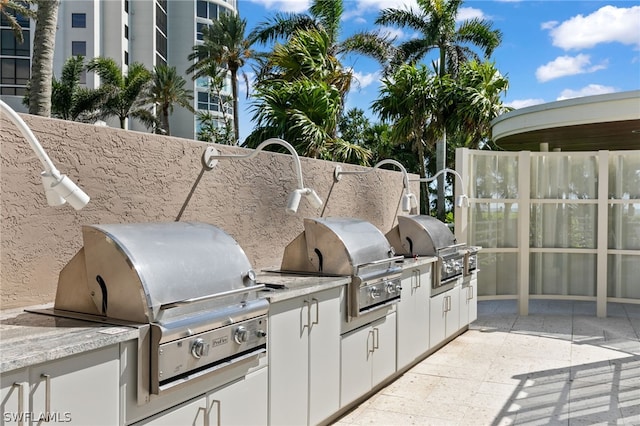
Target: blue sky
551 50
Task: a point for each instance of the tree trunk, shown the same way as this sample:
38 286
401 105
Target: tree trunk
234 91
42 63
441 163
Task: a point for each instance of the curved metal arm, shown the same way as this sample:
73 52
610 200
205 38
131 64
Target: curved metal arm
58 187
408 198
463 199
211 156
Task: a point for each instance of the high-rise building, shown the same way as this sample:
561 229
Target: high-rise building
151 32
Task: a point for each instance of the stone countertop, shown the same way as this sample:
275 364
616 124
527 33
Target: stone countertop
28 338
295 285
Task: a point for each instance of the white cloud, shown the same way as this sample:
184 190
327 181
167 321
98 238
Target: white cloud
608 24
522 103
391 32
293 6
364 80
567 65
590 90
465 13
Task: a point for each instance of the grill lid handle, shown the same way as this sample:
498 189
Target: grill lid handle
211 296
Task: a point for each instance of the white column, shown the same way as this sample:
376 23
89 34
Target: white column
524 189
602 242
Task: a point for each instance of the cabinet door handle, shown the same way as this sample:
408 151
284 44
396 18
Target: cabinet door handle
317 320
20 389
376 338
370 338
47 393
305 304
218 414
470 292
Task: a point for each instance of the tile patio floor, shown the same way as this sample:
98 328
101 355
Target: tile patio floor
561 365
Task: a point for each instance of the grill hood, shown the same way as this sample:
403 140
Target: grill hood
336 246
142 272
423 235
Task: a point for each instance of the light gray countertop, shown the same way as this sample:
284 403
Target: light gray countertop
28 338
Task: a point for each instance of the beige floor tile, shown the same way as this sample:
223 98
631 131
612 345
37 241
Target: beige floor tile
560 365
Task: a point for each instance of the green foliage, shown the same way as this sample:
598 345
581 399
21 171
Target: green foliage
165 90
125 94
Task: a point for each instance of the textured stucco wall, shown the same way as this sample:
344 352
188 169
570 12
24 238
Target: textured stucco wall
138 177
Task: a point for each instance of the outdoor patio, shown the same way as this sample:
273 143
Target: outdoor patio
561 365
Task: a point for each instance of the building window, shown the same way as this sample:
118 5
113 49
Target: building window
79 20
79 48
23 21
11 47
126 57
207 102
14 71
161 20
126 6
126 32
161 44
163 4
160 60
201 8
199 28
207 10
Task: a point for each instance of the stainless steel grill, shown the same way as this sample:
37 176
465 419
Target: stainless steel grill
190 283
348 247
423 235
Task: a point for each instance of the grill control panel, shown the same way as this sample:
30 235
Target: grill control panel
181 356
369 295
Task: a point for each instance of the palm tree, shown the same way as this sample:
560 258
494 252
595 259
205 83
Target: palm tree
70 100
480 86
124 92
166 90
299 97
9 9
42 60
408 99
223 44
435 21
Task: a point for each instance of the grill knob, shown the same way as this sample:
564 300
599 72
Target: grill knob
374 293
241 335
261 333
391 288
197 348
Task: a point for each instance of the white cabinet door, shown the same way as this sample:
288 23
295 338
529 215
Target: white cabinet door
81 389
464 303
357 349
288 351
192 413
384 344
242 403
324 355
368 357
412 315
14 397
304 358
453 314
437 319
473 299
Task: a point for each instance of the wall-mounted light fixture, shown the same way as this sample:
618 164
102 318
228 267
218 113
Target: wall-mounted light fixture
211 157
57 187
408 199
461 200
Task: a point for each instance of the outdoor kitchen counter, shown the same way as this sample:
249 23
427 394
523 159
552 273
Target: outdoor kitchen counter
27 338
295 285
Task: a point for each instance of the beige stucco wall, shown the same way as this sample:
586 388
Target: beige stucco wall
137 177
